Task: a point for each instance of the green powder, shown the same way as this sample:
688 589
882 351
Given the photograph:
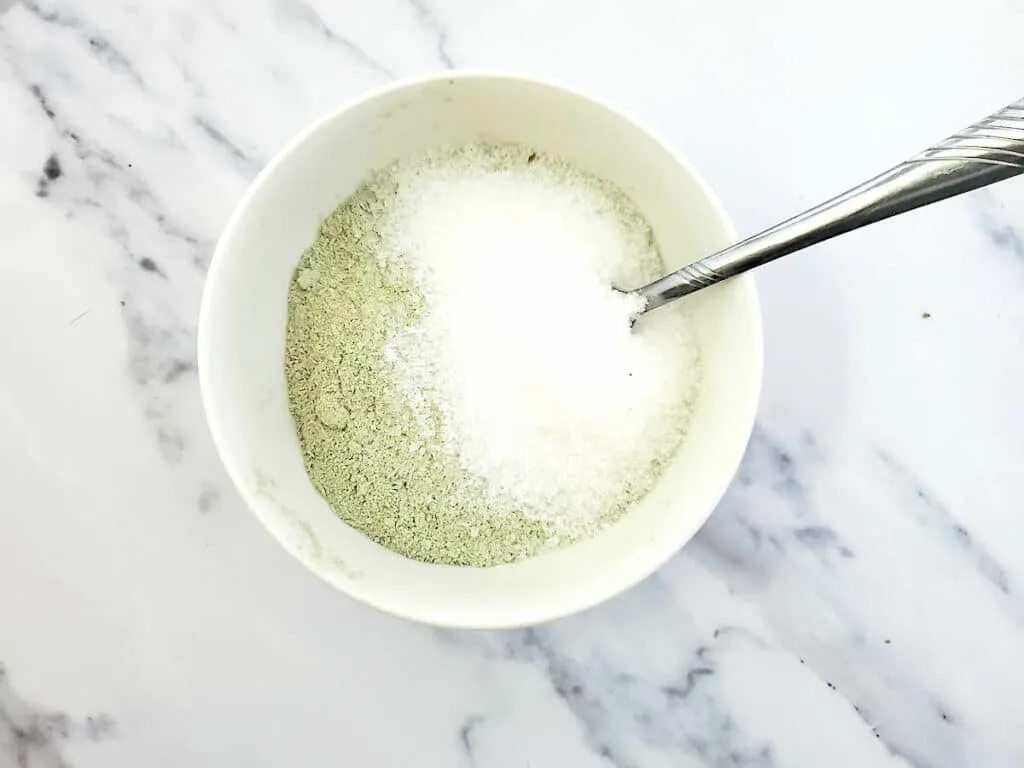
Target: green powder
380 451
364 450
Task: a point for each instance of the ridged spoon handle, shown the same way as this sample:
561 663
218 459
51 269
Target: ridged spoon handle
987 152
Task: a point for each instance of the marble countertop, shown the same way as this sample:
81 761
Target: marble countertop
856 600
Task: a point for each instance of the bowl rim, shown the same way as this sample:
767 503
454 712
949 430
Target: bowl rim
354 589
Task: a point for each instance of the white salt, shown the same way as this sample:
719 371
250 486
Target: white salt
524 349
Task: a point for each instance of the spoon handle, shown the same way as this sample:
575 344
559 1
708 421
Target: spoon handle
987 152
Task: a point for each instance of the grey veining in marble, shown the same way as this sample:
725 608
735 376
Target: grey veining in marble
31 737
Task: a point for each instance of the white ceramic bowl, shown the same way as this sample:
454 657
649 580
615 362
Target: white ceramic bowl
242 337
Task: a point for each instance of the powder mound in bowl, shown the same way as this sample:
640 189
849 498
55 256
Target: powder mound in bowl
464 379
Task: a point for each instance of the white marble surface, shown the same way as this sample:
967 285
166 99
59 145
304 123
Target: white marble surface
857 599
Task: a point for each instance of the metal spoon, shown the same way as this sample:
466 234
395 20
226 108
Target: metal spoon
987 152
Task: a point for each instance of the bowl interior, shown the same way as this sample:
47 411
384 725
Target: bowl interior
241 345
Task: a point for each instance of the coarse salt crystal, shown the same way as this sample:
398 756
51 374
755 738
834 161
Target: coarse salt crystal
523 346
